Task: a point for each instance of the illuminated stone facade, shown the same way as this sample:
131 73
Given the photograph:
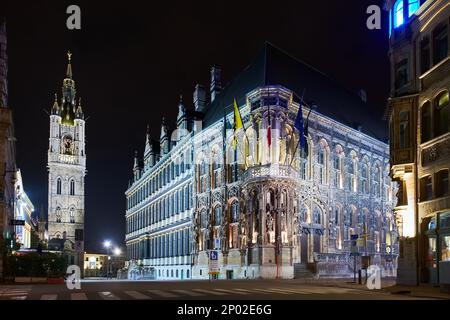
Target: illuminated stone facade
271 210
66 173
418 111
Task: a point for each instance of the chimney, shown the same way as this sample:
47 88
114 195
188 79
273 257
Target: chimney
216 83
199 98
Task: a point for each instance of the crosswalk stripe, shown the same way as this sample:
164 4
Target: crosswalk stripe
78 296
19 298
243 290
163 294
49 297
137 295
106 295
232 291
210 292
272 291
298 291
189 293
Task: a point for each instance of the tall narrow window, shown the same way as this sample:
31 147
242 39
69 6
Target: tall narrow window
401 73
322 162
425 55
304 162
426 188
337 167
441 116
235 212
72 187
425 128
58 186
58 214
404 129
377 181
398 14
440 43
413 5
364 178
442 183
72 215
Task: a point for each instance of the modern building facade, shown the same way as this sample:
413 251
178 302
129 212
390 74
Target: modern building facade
269 208
23 211
418 111
66 173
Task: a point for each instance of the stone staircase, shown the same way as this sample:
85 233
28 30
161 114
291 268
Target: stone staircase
302 272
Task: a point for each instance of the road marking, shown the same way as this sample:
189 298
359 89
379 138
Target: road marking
78 296
244 290
163 294
189 293
137 295
231 291
273 291
49 297
298 291
210 292
106 295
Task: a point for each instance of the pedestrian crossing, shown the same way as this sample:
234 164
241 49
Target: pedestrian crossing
199 293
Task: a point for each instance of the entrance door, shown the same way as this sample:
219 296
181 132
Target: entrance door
304 248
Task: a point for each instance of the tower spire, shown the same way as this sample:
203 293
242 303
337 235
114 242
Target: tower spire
69 65
55 108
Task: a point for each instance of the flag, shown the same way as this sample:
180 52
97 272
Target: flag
237 123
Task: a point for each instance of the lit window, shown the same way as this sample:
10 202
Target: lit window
441 116
413 5
398 14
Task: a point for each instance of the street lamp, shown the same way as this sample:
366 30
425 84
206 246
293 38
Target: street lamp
117 252
107 245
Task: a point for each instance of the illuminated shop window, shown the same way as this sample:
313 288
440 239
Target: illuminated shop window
413 5
398 14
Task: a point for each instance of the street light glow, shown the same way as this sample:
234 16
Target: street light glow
117 251
107 244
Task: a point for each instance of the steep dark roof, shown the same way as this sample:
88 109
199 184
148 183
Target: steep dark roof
272 66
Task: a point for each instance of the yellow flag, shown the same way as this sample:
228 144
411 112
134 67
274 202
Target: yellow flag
237 123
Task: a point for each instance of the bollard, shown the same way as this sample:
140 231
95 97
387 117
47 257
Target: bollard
359 276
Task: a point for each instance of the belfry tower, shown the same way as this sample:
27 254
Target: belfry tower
66 173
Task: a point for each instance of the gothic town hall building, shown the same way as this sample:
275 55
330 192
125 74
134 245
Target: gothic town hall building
269 208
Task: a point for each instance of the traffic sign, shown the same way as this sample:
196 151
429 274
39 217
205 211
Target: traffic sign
214 262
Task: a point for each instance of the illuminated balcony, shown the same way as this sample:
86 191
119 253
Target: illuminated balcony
270 171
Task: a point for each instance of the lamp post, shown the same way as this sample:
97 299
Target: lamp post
107 245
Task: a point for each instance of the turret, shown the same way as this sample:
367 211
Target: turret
182 124
136 168
164 138
149 154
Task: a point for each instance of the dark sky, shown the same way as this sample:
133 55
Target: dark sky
132 59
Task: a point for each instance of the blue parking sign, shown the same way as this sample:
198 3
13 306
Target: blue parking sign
213 255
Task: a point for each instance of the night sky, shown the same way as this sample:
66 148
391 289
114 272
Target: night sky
131 61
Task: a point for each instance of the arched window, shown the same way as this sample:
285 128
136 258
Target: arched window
440 43
377 181
216 169
218 216
235 212
72 187
58 214
317 216
441 116
72 215
398 14
322 161
337 167
58 186
351 172
426 133
303 169
442 183
413 5
364 177
203 219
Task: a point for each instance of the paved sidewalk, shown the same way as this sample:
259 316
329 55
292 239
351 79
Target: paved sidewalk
388 285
